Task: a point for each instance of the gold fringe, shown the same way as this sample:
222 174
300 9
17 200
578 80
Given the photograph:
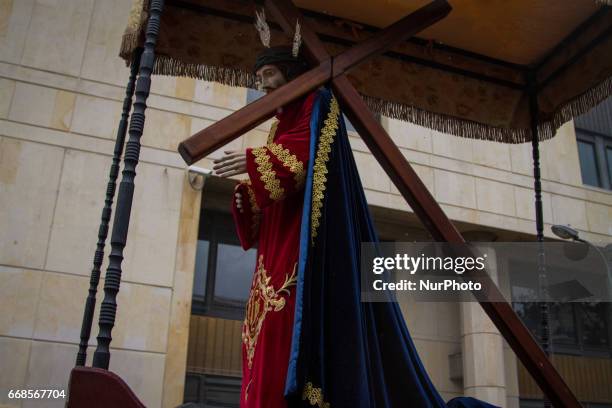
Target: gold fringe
165 65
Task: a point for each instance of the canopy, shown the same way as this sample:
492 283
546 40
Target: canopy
467 75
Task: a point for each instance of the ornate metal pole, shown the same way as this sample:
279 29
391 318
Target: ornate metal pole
90 303
126 189
537 186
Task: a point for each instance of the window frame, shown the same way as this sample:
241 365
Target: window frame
600 143
215 227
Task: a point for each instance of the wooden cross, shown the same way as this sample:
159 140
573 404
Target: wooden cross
332 70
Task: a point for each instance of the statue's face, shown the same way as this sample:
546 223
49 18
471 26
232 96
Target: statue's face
269 77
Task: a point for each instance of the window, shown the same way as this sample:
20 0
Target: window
578 328
223 270
210 391
594 137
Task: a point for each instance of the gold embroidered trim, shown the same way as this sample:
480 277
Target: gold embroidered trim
262 299
320 167
255 211
267 174
314 396
290 161
272 133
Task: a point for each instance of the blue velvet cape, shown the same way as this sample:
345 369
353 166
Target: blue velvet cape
346 353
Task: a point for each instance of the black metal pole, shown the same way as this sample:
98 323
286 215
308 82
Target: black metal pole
537 186
90 303
108 309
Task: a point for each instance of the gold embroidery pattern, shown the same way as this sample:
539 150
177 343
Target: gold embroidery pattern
320 167
314 396
267 174
255 211
272 133
263 299
290 161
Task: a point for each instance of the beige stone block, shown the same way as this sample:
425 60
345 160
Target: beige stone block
185 88
460 214
33 104
165 130
178 330
14 20
19 291
560 156
163 85
60 308
525 204
57 34
453 165
223 96
599 218
569 211
149 254
434 355
151 248
452 146
14 355
492 154
495 197
422 318
521 158
42 106
454 188
29 177
141 321
77 217
448 320
372 175
96 117
7 88
143 373
409 135
483 362
62 110
49 368
142 318
510 364
100 61
492 395
254 138
475 320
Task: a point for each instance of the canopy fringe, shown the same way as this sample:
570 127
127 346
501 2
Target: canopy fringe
165 65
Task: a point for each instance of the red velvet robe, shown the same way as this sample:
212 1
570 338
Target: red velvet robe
272 200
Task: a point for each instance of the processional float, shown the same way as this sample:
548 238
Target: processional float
478 70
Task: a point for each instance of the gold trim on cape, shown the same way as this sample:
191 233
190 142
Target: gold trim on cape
319 177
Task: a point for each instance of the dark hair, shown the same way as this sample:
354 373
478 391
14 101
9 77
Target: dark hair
291 70
281 57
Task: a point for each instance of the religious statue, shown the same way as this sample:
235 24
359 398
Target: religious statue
307 339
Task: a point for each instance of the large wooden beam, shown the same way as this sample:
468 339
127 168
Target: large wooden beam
229 128
427 209
245 119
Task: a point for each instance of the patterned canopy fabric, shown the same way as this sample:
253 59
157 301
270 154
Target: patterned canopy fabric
465 75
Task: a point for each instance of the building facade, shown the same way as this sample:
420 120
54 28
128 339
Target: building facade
184 283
